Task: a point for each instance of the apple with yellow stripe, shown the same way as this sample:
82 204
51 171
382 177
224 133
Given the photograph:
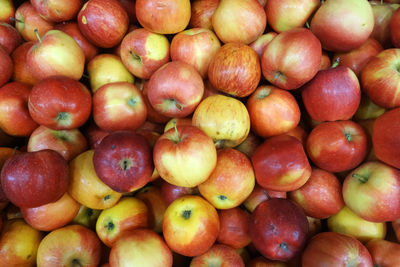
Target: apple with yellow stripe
218 255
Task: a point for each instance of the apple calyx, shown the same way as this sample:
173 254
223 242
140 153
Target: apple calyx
76 263
219 143
222 197
361 178
186 214
136 57
335 63
284 246
349 137
126 164
63 118
264 93
110 226
37 35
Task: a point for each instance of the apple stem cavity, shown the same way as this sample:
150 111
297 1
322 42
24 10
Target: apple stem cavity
126 164
135 56
176 138
16 20
277 75
307 25
37 35
222 197
335 63
76 263
284 246
219 143
264 93
361 178
349 137
110 226
132 102
186 214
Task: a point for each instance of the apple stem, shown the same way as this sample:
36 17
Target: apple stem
335 63
37 35
362 179
307 25
16 20
76 263
178 139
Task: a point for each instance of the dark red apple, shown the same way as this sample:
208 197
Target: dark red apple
394 28
234 227
170 192
6 67
9 37
130 8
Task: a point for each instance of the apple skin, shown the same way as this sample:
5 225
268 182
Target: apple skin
337 146
6 67
234 228
170 192
147 249
325 61
195 46
86 217
123 161
72 29
286 15
321 197
368 110
382 14
7 11
334 249
175 89
165 16
231 182
260 194
19 243
52 216
384 252
60 103
250 144
9 37
56 54
68 246
190 226
262 42
348 223
394 28
185 156
143 52
186 121
238 21
103 22
263 262
372 191
21 72
272 227
383 139
272 111
27 19
220 254
383 92
292 58
28 180
357 58
130 8
94 134
119 106
15 119
201 13
333 94
235 70
331 23
152 114
280 163
57 10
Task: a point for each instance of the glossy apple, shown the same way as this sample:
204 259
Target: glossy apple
94 134
186 121
262 42
21 72
263 262
6 67
260 194
383 252
234 228
235 70
201 13
170 192
57 10
7 11
220 254
33 179
394 28
9 37
152 114
103 22
382 14
292 58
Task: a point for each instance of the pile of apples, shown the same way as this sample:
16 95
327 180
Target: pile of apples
199 133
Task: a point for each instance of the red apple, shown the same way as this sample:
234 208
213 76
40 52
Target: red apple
33 179
7 11
94 134
130 8
235 69
263 262
57 10
337 146
9 37
170 192
14 114
332 95
152 114
103 22
382 14
60 103
6 67
281 164
292 58
278 229
250 144
163 16
21 72
332 249
260 194
300 134
234 228
394 30
123 161
219 254
384 253
331 24
175 89
325 61
201 13
262 42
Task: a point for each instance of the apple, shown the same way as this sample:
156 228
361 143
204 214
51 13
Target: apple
9 37
292 58
163 16
190 226
19 243
201 13
130 8
219 254
382 14
234 228
15 119
250 144
21 72
239 21
280 163
56 53
7 11
333 94
263 262
57 10
272 111
372 191
94 134
146 249
383 252
6 67
286 15
272 227
325 61
119 106
235 70
143 52
331 23
72 29
348 223
262 42
177 122
357 58
231 182
337 146
333 249
32 179
394 31
27 20
170 192
86 217
368 110
128 214
103 22
185 156
72 245
223 118
260 194
299 133
86 187
53 215
384 140
195 46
